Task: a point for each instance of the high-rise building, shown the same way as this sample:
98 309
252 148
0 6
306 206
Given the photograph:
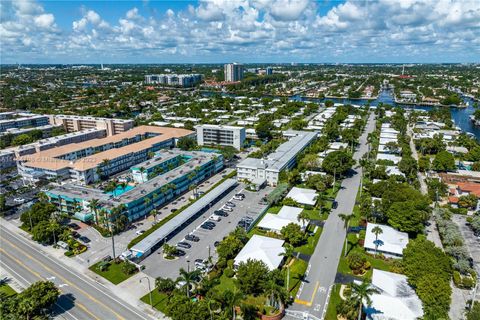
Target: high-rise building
178 80
269 71
73 123
209 134
233 72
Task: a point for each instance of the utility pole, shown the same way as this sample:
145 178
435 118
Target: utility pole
334 174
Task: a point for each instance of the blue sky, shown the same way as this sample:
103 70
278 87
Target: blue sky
239 30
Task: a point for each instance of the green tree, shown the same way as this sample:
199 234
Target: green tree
189 278
21 139
45 231
362 292
424 164
251 276
229 247
444 161
338 162
468 201
346 221
292 233
429 271
474 312
186 143
264 129
405 216
376 231
39 211
165 285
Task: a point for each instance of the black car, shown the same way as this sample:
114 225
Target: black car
206 227
74 226
243 224
220 213
216 243
179 253
75 234
184 245
84 239
334 204
191 237
210 223
199 261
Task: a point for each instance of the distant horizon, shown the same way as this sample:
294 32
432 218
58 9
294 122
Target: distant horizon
217 31
406 64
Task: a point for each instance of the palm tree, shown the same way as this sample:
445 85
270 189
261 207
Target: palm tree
42 196
93 205
232 299
142 171
288 253
123 185
188 278
275 292
303 216
377 230
147 202
346 221
361 292
153 213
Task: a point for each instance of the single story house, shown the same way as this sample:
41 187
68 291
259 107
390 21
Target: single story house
303 196
275 222
391 242
390 157
261 248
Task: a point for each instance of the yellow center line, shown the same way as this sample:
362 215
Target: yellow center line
309 303
66 281
81 306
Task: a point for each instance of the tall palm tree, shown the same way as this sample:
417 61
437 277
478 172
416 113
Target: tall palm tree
303 216
142 171
275 292
346 221
147 202
188 277
153 213
361 292
288 253
377 230
231 299
123 185
93 205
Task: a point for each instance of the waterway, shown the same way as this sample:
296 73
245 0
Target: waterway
461 116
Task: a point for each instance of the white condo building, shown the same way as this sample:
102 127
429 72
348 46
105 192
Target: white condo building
233 72
209 134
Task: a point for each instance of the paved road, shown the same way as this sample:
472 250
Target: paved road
80 298
314 292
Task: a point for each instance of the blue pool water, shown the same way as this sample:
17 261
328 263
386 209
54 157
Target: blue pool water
119 190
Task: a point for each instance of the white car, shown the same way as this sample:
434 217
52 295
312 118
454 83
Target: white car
19 200
227 208
139 232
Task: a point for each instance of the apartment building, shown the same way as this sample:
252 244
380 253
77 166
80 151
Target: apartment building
141 197
22 120
90 161
283 158
208 134
233 72
182 80
46 130
73 123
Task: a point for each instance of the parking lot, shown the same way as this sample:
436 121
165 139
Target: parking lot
157 266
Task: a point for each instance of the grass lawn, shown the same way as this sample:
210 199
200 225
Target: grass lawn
114 273
297 270
7 290
309 247
226 283
160 300
332 304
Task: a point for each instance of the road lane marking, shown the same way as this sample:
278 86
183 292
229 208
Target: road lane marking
64 279
87 281
309 303
81 306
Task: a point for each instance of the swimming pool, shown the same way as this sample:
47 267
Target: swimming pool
119 190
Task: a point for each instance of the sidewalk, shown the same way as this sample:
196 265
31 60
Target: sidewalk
130 291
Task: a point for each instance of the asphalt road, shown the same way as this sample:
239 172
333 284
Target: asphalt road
81 298
312 297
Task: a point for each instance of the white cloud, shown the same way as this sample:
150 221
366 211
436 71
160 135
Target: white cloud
252 29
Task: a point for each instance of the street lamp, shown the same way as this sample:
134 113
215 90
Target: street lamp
149 289
188 265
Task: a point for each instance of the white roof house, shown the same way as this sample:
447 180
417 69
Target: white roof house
338 145
303 196
388 135
275 222
263 249
391 157
396 299
392 242
387 140
392 170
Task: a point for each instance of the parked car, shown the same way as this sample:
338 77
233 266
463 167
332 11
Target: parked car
191 237
139 232
19 200
334 204
216 243
214 217
206 227
220 213
230 204
179 253
210 223
199 262
227 208
84 239
75 234
235 197
185 245
74 226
